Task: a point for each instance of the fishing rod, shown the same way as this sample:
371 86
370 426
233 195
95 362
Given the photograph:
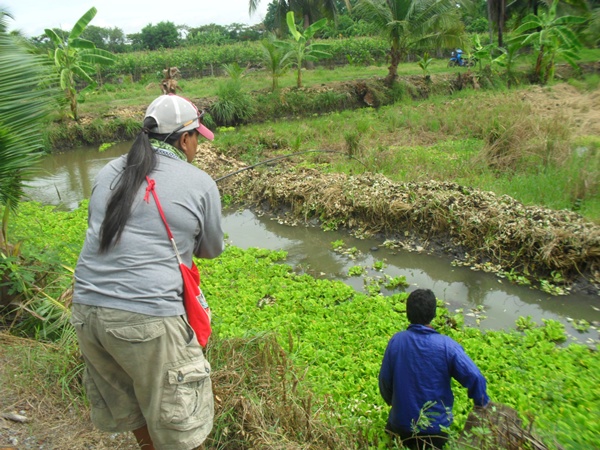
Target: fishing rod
277 158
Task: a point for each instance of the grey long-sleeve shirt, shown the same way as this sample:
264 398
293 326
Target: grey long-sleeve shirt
141 273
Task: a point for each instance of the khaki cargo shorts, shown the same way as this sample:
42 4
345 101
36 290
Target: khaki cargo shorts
145 370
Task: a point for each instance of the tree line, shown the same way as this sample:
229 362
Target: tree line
346 18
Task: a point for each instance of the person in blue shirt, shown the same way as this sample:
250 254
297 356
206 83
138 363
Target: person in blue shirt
459 59
415 377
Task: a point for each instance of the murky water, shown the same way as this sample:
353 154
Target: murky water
489 302
64 179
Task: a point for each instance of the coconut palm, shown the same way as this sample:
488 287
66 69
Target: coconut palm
412 25
23 106
497 17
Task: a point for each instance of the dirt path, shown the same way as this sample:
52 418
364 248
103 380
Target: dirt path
34 414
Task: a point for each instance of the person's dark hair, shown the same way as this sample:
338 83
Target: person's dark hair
420 306
141 160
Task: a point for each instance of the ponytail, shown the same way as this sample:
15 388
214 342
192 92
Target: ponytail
141 160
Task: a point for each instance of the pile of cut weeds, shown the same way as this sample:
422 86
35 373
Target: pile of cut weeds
557 250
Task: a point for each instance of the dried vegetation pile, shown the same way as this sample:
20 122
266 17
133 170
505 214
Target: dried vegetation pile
486 231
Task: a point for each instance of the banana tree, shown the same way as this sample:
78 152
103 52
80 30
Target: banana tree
303 50
75 59
552 37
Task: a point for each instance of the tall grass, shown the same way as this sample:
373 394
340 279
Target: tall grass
233 106
43 367
572 185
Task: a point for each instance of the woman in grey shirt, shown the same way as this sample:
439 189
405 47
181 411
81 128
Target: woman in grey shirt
145 370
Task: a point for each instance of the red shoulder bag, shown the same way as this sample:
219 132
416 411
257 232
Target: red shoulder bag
196 307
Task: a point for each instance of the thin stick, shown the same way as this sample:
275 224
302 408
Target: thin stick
277 158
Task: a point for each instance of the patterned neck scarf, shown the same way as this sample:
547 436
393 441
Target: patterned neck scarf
162 148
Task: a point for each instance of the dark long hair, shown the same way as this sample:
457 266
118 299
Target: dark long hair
141 160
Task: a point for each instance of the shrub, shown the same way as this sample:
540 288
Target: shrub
233 106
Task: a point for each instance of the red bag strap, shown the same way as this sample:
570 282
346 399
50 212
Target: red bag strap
150 190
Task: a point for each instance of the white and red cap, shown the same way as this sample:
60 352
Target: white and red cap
174 114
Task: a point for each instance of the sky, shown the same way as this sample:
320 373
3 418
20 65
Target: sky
31 17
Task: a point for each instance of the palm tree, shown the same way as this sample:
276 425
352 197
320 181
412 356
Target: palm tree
276 57
497 16
23 107
413 25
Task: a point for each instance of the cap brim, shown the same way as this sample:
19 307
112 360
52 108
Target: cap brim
205 132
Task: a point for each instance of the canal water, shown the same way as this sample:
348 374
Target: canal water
64 179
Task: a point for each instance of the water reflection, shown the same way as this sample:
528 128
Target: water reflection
64 179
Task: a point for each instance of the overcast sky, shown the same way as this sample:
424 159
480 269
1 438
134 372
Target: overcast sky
33 16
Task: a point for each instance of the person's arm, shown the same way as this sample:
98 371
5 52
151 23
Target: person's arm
469 376
211 243
386 377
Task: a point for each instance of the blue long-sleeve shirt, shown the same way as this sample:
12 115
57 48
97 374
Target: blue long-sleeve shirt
417 368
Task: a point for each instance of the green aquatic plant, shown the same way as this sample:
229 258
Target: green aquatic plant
581 325
339 336
554 331
356 271
395 282
336 245
525 323
379 265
